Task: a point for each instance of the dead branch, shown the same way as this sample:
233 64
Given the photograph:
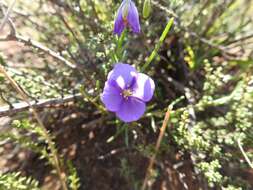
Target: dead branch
13 36
32 43
23 106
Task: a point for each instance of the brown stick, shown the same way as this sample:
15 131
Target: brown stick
40 104
158 143
13 36
30 42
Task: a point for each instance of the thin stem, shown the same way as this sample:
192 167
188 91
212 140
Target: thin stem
158 45
244 153
87 96
119 49
158 143
42 126
120 130
159 140
126 137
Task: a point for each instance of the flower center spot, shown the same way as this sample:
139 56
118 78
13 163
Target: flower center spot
125 22
126 93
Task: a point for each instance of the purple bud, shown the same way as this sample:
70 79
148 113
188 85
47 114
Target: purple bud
127 16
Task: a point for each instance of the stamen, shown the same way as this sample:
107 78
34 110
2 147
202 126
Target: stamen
126 93
125 22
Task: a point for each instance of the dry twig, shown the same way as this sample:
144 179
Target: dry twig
22 106
13 36
158 143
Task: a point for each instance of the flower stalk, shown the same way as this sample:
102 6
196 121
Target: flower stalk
158 45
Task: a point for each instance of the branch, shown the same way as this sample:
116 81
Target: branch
13 36
243 38
23 106
32 43
15 10
7 14
157 146
158 142
29 42
21 13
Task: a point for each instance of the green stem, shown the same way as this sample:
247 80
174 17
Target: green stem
120 41
126 137
158 45
120 130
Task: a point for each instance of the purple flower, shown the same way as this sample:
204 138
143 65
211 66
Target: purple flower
126 92
127 16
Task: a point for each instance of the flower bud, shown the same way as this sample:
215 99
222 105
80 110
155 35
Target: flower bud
146 8
127 16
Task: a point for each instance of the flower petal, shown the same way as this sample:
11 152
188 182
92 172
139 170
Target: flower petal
119 22
144 87
111 97
123 74
133 18
131 109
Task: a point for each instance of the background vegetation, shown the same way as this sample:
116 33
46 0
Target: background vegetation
59 52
